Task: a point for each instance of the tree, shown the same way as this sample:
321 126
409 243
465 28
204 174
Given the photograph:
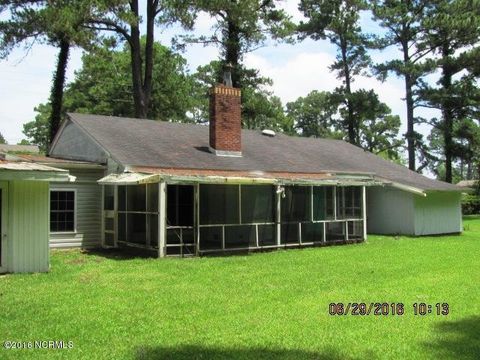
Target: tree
103 85
38 130
123 19
379 128
56 23
242 26
2 139
453 31
338 21
313 115
403 21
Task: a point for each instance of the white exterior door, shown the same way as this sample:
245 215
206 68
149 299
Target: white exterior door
3 225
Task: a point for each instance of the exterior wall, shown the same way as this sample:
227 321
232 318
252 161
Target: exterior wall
28 226
390 211
438 213
88 211
74 144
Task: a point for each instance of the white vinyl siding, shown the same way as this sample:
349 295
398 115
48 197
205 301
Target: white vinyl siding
88 217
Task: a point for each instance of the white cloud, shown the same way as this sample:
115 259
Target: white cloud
26 82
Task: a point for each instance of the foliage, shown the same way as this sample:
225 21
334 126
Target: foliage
471 204
264 305
58 23
103 84
453 33
241 26
37 130
338 21
403 21
2 139
313 115
123 19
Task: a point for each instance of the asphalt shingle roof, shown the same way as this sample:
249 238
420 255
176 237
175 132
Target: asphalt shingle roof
149 143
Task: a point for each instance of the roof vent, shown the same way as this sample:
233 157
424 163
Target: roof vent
268 132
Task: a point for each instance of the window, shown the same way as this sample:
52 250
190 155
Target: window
62 211
349 202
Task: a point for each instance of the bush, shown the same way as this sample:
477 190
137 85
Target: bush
471 204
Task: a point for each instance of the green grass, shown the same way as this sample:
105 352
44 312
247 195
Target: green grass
265 305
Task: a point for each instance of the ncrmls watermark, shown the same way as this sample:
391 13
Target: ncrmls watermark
38 344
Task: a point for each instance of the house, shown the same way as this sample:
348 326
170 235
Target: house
24 214
185 189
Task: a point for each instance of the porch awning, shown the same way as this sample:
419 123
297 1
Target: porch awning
19 170
129 179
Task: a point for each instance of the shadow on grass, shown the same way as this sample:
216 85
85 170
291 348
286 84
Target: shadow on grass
457 339
123 253
184 352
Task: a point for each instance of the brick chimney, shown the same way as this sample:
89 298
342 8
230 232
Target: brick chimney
225 119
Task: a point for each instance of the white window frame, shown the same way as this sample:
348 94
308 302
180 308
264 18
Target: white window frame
74 231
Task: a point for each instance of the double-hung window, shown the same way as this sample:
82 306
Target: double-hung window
62 211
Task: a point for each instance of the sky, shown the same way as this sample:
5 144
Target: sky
296 70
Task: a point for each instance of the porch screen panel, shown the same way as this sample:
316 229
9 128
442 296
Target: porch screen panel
266 235
138 214
335 231
242 236
258 204
329 202
319 203
136 197
211 238
312 232
180 205
136 228
296 205
108 198
219 204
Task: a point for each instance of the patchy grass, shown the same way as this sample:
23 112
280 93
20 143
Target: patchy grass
265 305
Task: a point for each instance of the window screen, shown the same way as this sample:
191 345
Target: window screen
257 204
266 235
219 204
62 211
136 197
335 231
211 238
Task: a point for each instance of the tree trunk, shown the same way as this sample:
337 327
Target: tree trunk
137 68
56 95
410 123
232 51
447 113
352 136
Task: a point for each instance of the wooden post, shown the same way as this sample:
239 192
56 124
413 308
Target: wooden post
364 212
196 214
162 218
278 219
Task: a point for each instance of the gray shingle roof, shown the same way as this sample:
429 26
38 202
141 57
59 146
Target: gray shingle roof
150 143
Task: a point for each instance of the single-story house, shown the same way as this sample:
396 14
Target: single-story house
188 189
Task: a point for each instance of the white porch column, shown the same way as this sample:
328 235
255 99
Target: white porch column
278 218
162 218
364 212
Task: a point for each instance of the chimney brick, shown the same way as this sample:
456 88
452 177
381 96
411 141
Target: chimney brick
225 120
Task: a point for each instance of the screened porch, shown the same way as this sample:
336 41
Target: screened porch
186 219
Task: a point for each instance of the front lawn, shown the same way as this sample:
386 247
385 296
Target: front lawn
265 305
